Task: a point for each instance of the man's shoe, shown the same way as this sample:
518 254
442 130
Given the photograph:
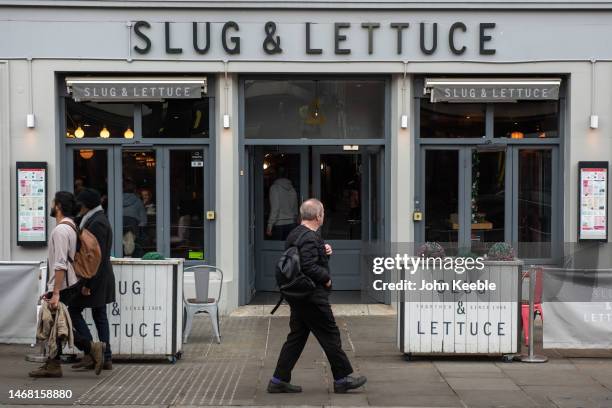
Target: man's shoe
283 387
108 365
97 354
51 369
86 363
349 383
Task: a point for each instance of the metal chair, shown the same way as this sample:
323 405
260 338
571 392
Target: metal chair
202 303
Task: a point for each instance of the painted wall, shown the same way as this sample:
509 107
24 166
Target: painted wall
46 39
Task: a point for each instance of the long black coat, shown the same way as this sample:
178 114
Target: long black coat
102 285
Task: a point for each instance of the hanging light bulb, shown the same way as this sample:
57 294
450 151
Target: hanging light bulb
517 135
86 154
128 134
79 133
104 133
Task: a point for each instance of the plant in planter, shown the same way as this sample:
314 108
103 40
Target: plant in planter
431 250
501 251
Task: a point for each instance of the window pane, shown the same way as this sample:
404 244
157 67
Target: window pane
452 120
488 198
98 120
318 109
139 217
527 119
91 171
341 195
187 204
534 203
281 195
176 118
441 195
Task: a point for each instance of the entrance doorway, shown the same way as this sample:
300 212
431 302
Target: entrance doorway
349 182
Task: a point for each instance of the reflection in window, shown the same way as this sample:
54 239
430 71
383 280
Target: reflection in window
534 203
187 204
281 184
527 120
176 118
442 195
341 195
90 171
452 120
99 120
139 226
318 109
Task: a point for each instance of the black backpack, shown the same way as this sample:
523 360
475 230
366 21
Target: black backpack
291 281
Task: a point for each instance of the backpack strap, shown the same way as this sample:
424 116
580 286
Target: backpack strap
76 231
298 241
280 301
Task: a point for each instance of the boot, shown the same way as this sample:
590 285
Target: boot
51 369
86 363
97 355
108 365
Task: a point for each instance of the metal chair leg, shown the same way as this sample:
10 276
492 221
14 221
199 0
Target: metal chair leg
188 324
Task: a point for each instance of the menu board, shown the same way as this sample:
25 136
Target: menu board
593 206
31 203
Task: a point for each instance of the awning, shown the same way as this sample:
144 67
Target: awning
465 90
114 89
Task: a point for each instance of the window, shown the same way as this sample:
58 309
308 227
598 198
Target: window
314 109
527 120
179 118
98 120
452 120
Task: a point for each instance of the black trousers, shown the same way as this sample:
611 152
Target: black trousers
80 326
317 318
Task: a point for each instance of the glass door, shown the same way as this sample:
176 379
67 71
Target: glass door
464 194
339 182
280 185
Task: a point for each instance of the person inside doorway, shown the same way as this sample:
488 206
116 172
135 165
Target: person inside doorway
134 220
283 207
314 313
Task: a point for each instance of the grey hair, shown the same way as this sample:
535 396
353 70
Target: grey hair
310 209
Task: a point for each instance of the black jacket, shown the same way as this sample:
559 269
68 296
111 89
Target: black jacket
102 285
313 259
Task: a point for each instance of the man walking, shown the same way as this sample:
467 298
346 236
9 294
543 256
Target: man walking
313 314
63 284
98 291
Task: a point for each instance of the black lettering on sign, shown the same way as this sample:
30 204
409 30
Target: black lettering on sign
234 40
141 331
138 26
309 49
156 330
196 43
451 38
116 329
434 39
370 27
338 38
271 45
486 38
399 27
136 287
169 48
129 330
122 287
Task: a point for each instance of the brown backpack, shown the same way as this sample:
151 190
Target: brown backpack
88 256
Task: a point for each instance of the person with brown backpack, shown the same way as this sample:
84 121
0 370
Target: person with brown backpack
64 280
99 289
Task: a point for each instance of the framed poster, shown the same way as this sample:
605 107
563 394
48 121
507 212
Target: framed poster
31 203
593 201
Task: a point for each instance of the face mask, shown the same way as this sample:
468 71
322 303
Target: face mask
53 213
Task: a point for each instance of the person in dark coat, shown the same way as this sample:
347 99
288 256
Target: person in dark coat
314 314
98 291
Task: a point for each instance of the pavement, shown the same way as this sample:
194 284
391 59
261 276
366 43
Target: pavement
236 372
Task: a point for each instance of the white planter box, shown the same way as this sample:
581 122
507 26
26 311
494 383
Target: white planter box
458 322
147 318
